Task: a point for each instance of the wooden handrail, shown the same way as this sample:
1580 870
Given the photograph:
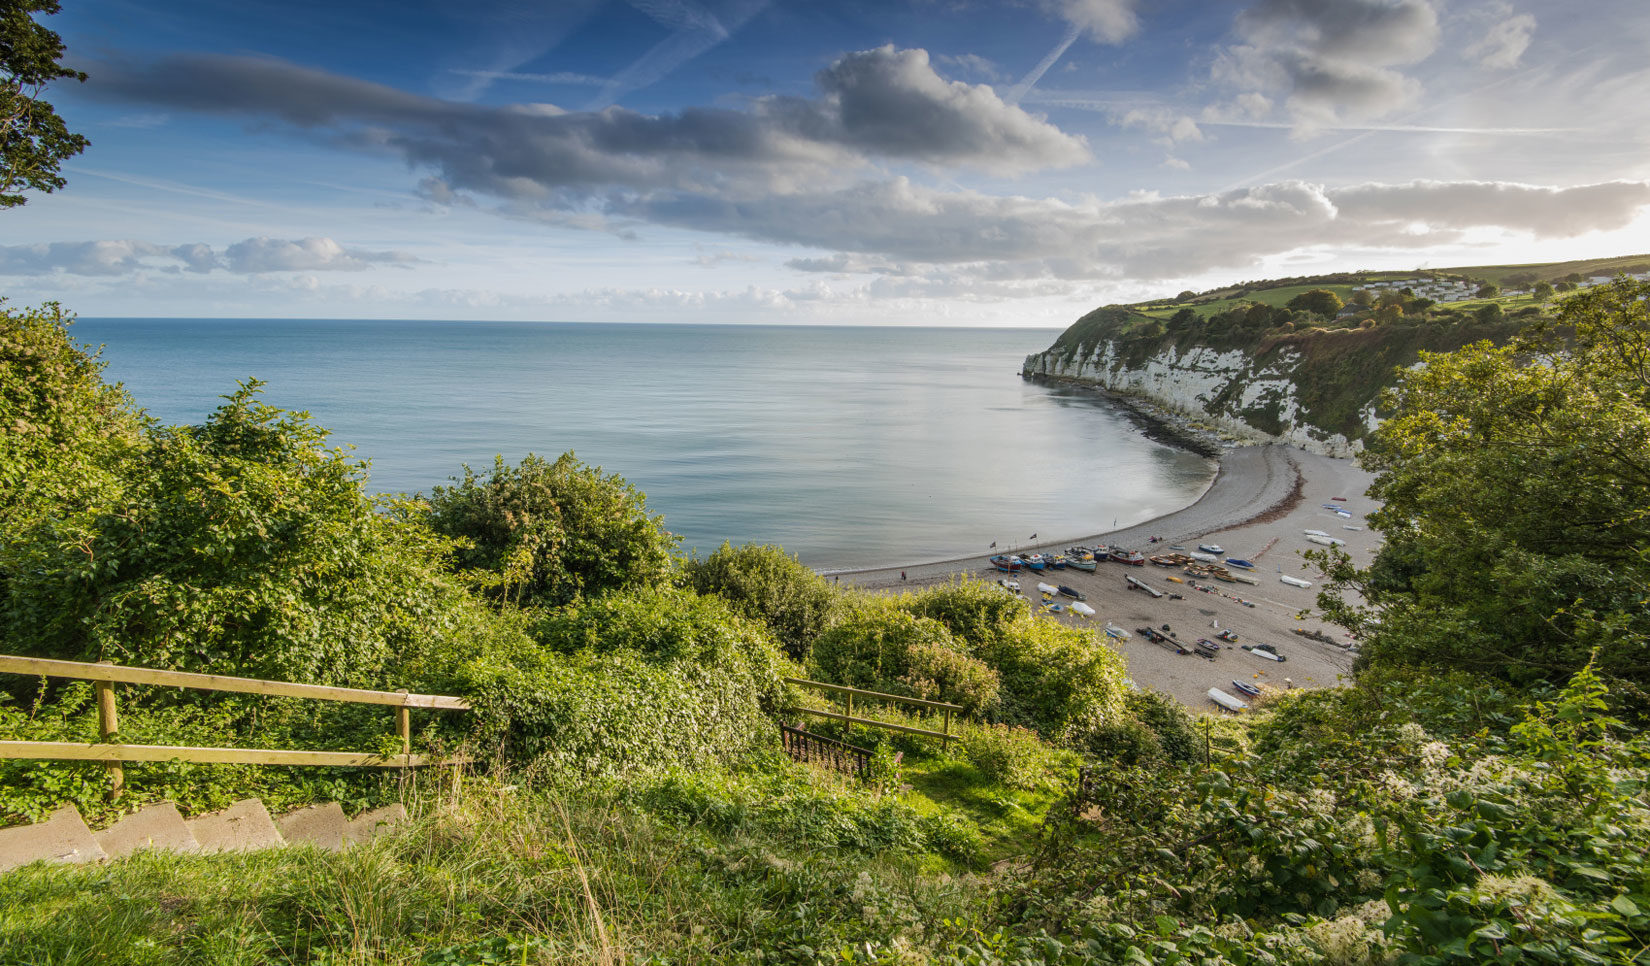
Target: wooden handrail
223 682
844 689
112 754
75 751
887 725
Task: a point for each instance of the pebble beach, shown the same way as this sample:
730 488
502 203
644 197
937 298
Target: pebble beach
1257 508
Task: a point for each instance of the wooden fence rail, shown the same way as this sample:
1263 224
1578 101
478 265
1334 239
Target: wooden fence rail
106 675
847 715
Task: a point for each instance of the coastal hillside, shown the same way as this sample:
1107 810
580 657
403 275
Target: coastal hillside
1304 360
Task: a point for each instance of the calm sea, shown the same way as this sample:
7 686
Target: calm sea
849 446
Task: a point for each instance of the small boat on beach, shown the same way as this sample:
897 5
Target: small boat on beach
1138 584
1036 561
1112 630
1213 548
1226 701
1008 563
1206 645
1133 558
1202 557
1057 561
1083 609
1087 566
1246 689
1315 533
1294 581
1049 589
1171 560
1072 592
1262 651
1326 540
1239 563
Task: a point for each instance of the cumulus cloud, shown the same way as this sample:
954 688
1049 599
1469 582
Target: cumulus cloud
1108 21
1504 43
878 104
248 257
1330 60
1149 236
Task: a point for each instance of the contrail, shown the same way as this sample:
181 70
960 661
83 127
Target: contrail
1030 80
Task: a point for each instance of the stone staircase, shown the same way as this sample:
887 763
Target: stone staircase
242 827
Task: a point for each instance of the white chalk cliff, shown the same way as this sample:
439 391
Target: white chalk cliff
1235 392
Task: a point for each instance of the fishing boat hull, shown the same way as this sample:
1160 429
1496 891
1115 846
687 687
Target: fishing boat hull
1227 701
1007 564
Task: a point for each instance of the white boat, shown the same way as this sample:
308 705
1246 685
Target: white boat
1112 630
1348 526
1142 585
1294 581
1082 608
1205 557
1327 541
1242 577
1263 652
1315 533
1047 588
1227 701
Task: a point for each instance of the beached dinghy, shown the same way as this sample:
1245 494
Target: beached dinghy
1112 630
1262 651
1226 701
1036 561
1294 581
1071 592
1326 540
1239 564
1008 563
1243 578
1081 608
1315 533
1133 558
1213 548
1049 589
1246 689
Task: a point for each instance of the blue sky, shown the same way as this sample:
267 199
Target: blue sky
927 162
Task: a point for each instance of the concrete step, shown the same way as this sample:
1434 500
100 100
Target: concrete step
322 826
156 826
62 837
242 827
371 824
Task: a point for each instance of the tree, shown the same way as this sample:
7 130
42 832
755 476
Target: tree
1488 290
552 532
1363 297
1542 291
1319 301
1516 483
61 426
241 546
34 140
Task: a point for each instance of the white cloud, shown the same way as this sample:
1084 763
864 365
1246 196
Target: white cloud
252 256
1330 60
1108 21
1504 43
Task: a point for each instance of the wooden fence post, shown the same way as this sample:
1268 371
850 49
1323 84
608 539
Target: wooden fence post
403 724
947 739
108 723
850 696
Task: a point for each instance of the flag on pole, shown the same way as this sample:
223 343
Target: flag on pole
993 544
1033 536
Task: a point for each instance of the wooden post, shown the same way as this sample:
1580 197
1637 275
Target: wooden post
108 723
403 725
947 740
850 696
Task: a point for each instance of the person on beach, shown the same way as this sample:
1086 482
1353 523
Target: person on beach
902 575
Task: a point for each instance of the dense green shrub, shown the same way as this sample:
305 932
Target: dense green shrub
764 582
884 648
548 533
633 683
1168 721
976 613
1056 679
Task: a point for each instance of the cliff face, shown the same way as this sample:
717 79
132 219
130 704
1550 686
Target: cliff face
1253 397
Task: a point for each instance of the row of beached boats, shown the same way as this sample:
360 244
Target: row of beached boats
1076 558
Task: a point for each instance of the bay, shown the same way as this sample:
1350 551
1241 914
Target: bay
849 446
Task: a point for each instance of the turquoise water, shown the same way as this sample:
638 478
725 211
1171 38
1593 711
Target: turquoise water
849 446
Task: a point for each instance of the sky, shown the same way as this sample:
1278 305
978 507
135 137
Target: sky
927 162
